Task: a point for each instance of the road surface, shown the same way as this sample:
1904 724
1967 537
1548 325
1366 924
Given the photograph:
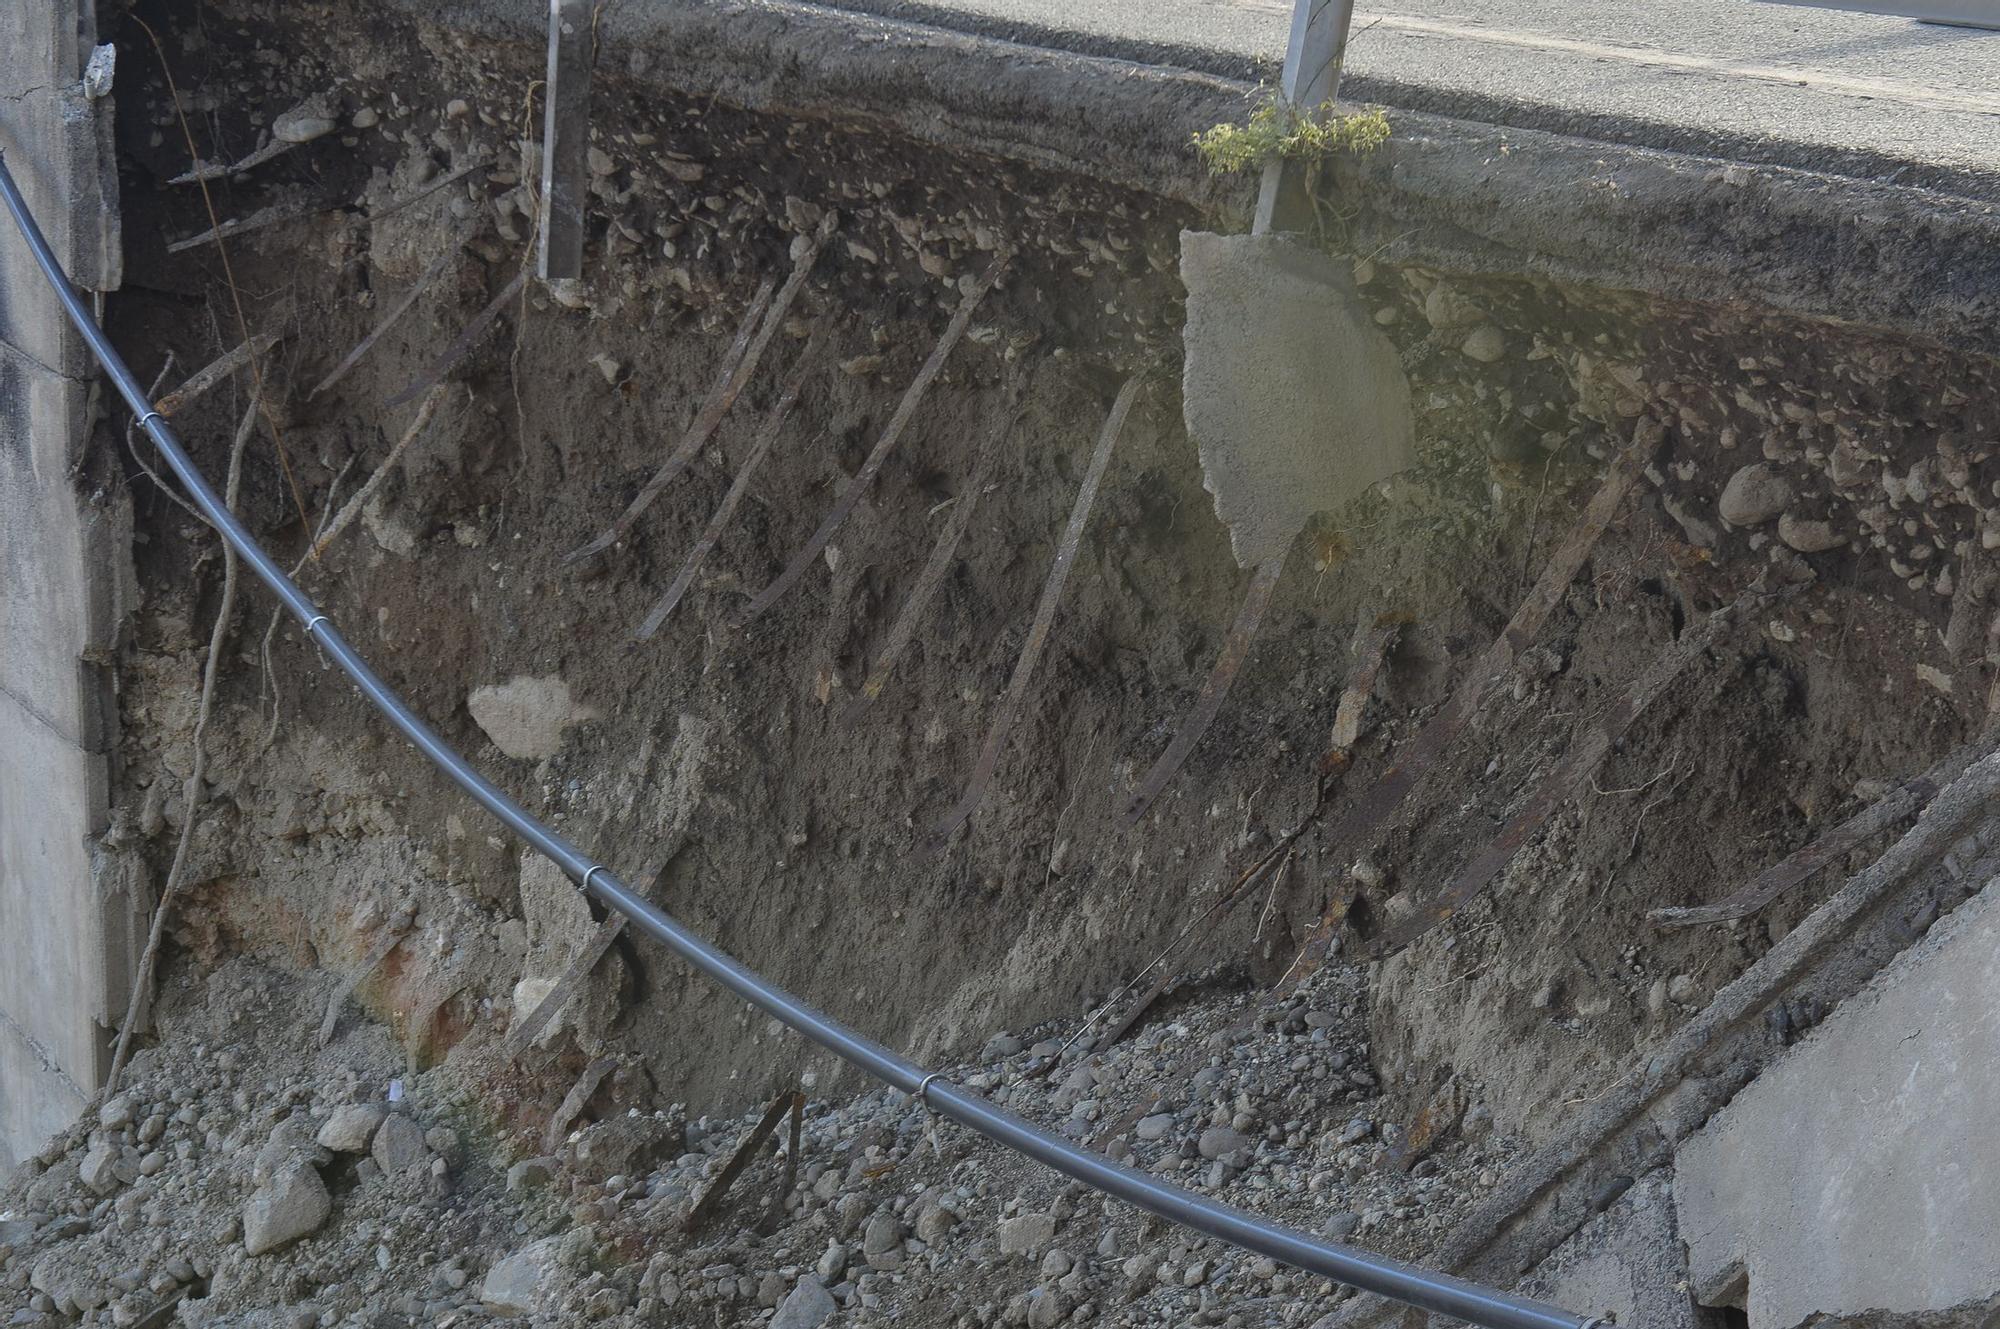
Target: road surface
1858 94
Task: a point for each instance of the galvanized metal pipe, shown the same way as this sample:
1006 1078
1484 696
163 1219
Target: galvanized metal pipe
1394 1279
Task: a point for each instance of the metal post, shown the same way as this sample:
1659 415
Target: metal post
565 140
1312 79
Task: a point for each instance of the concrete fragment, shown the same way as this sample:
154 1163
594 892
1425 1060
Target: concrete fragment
1625 1263
1856 1174
294 1203
526 717
1295 401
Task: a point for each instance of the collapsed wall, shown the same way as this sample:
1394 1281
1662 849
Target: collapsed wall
1849 466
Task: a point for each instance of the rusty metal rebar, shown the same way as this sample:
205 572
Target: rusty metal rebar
1045 613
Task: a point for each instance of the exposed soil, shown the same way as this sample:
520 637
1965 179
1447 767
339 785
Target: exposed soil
794 836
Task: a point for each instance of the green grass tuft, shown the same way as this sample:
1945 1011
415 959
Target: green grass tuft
1279 130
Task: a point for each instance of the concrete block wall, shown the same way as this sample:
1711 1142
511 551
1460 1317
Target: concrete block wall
66 951
1861 1173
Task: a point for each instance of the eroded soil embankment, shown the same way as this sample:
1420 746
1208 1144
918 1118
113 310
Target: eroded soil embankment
791 834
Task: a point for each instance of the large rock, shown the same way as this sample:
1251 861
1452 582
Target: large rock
1027 1235
99 1168
525 1282
525 717
399 1146
1753 496
291 1204
808 1307
351 1127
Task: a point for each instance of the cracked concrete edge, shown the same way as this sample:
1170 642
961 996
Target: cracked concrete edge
67 551
1633 1126
1446 193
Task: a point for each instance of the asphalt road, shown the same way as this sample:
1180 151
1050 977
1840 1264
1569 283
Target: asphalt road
1859 94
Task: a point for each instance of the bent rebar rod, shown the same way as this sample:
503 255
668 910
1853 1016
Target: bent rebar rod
1344 1264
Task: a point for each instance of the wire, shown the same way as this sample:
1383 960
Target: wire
1394 1279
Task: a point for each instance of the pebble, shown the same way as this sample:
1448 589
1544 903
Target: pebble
1155 1127
1222 1142
1448 309
1485 343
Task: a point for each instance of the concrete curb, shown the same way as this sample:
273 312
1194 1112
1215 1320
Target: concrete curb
1446 193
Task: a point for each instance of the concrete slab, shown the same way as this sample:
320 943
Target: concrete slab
65 944
1858 1173
1625 1263
1295 400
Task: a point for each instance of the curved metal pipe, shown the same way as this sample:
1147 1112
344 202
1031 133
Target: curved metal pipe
1371 1273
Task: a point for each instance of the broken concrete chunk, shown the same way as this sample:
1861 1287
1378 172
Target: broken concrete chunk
1301 418
525 717
351 1127
293 1204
